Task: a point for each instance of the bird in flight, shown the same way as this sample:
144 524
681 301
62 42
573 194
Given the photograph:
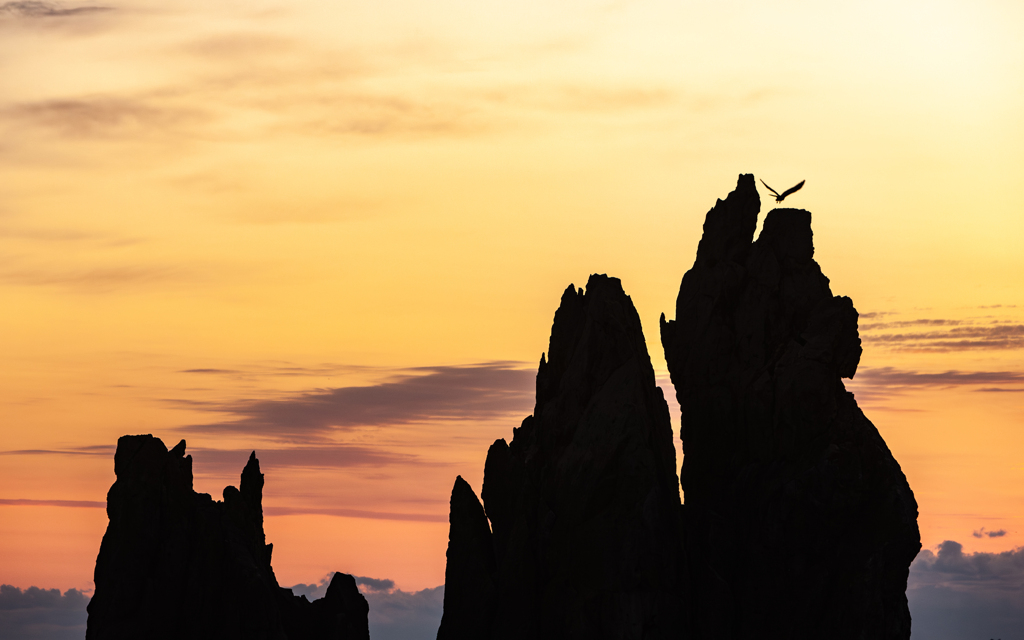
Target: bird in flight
785 193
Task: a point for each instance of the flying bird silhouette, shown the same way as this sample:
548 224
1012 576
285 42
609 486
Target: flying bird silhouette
785 193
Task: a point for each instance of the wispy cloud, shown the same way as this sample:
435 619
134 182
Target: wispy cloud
322 456
473 392
76 504
982 533
944 335
280 369
231 461
928 322
93 280
92 450
877 384
106 116
37 9
65 236
355 513
891 377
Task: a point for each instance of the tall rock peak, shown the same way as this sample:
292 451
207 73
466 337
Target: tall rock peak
583 504
798 520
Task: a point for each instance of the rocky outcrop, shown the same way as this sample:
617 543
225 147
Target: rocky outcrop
799 522
583 504
176 564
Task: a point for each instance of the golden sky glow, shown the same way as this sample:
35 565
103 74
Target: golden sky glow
224 213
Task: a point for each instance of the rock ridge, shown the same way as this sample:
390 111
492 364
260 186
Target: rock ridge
174 563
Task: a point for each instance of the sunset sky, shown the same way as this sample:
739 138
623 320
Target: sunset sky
336 232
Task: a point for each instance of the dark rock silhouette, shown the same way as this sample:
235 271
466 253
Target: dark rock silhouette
799 522
469 589
175 564
583 504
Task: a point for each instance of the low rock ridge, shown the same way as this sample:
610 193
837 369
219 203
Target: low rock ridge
177 564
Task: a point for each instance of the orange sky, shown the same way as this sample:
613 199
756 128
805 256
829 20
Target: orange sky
342 229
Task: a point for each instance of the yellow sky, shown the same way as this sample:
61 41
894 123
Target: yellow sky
203 208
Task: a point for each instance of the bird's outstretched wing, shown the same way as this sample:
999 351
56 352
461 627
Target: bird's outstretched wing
791 189
774 192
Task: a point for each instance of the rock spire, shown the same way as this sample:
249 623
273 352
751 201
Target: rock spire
799 522
583 504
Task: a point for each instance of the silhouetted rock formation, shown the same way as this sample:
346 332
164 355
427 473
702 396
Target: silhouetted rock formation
175 564
584 503
799 523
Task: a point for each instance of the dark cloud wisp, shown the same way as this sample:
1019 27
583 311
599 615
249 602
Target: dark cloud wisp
879 384
476 392
323 456
891 377
78 504
103 450
945 335
37 9
230 462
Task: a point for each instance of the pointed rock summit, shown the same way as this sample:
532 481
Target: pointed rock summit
579 533
176 564
799 522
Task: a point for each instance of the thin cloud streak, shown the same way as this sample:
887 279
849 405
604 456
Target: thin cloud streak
354 513
936 322
283 369
37 9
105 116
76 504
476 392
217 462
960 337
873 385
91 280
324 456
65 236
95 450
890 377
